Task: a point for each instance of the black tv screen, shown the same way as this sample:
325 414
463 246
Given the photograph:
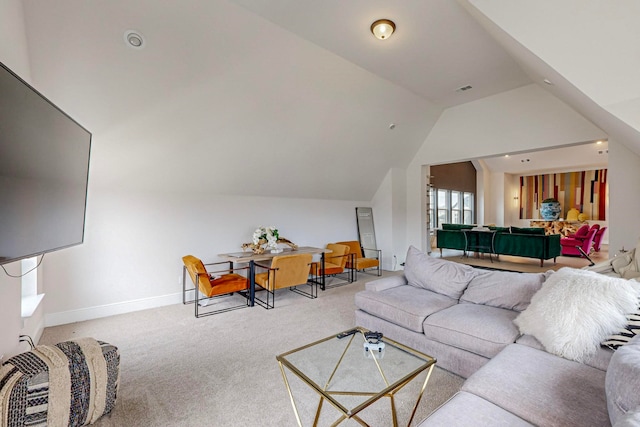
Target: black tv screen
44 168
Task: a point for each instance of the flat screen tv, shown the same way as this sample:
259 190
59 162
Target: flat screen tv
44 169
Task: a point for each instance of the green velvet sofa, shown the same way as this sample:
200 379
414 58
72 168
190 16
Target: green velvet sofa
525 242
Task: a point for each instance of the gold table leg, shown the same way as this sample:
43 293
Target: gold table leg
293 403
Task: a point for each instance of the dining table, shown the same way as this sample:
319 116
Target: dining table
251 258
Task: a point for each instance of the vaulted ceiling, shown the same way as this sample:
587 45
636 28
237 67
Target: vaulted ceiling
282 98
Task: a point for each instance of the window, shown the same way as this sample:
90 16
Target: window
455 207
430 209
29 281
467 208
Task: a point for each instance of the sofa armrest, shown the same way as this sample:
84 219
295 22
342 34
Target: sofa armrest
386 283
603 267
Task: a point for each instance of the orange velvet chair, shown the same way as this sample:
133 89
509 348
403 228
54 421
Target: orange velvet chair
209 284
359 262
286 271
335 263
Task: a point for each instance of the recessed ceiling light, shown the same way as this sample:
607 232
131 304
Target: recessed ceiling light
547 81
392 126
599 142
464 88
506 155
134 39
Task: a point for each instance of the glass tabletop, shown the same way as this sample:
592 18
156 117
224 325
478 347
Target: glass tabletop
353 372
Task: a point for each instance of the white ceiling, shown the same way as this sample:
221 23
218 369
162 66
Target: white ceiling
289 98
437 46
564 159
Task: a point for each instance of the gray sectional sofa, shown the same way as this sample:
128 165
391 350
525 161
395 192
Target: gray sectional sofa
465 318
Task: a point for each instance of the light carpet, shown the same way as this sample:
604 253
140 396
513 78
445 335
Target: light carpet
221 370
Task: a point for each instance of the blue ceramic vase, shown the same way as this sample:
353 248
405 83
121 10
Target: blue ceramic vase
550 211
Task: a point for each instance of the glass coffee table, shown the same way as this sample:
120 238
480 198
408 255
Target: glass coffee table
351 373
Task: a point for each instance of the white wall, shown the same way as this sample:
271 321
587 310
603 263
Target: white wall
483 188
399 206
14 54
523 119
389 212
13 38
134 241
512 206
624 197
383 219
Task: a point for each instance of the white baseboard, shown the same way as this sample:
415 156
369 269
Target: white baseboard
64 317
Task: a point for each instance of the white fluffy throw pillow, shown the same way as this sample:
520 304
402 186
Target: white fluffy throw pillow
576 309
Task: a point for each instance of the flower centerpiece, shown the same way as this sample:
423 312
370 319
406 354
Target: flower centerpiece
267 238
270 234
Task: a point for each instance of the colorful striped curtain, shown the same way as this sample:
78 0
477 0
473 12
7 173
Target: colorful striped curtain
585 190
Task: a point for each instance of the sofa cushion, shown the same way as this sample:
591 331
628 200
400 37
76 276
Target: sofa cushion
406 306
503 289
599 360
623 380
541 388
386 283
444 277
480 329
527 230
499 229
456 227
468 410
575 310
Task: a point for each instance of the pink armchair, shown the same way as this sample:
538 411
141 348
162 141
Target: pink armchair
581 232
597 239
577 245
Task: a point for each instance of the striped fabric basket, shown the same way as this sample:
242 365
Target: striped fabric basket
70 384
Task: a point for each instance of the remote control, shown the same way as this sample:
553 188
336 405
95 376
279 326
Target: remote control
346 334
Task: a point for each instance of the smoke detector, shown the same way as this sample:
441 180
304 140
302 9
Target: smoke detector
134 39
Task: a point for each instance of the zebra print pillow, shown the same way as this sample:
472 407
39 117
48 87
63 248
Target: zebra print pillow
623 336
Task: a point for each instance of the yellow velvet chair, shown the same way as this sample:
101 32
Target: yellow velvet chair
286 271
209 284
360 262
335 263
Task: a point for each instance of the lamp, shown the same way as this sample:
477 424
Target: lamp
383 28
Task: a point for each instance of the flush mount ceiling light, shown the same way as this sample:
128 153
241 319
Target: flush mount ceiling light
134 39
383 28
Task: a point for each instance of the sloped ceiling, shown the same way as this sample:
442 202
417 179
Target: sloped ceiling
587 53
278 98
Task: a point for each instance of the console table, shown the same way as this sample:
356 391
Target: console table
251 258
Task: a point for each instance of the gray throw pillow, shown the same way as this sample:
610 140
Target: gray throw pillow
504 289
444 277
622 381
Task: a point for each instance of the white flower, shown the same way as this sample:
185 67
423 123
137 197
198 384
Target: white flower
270 234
